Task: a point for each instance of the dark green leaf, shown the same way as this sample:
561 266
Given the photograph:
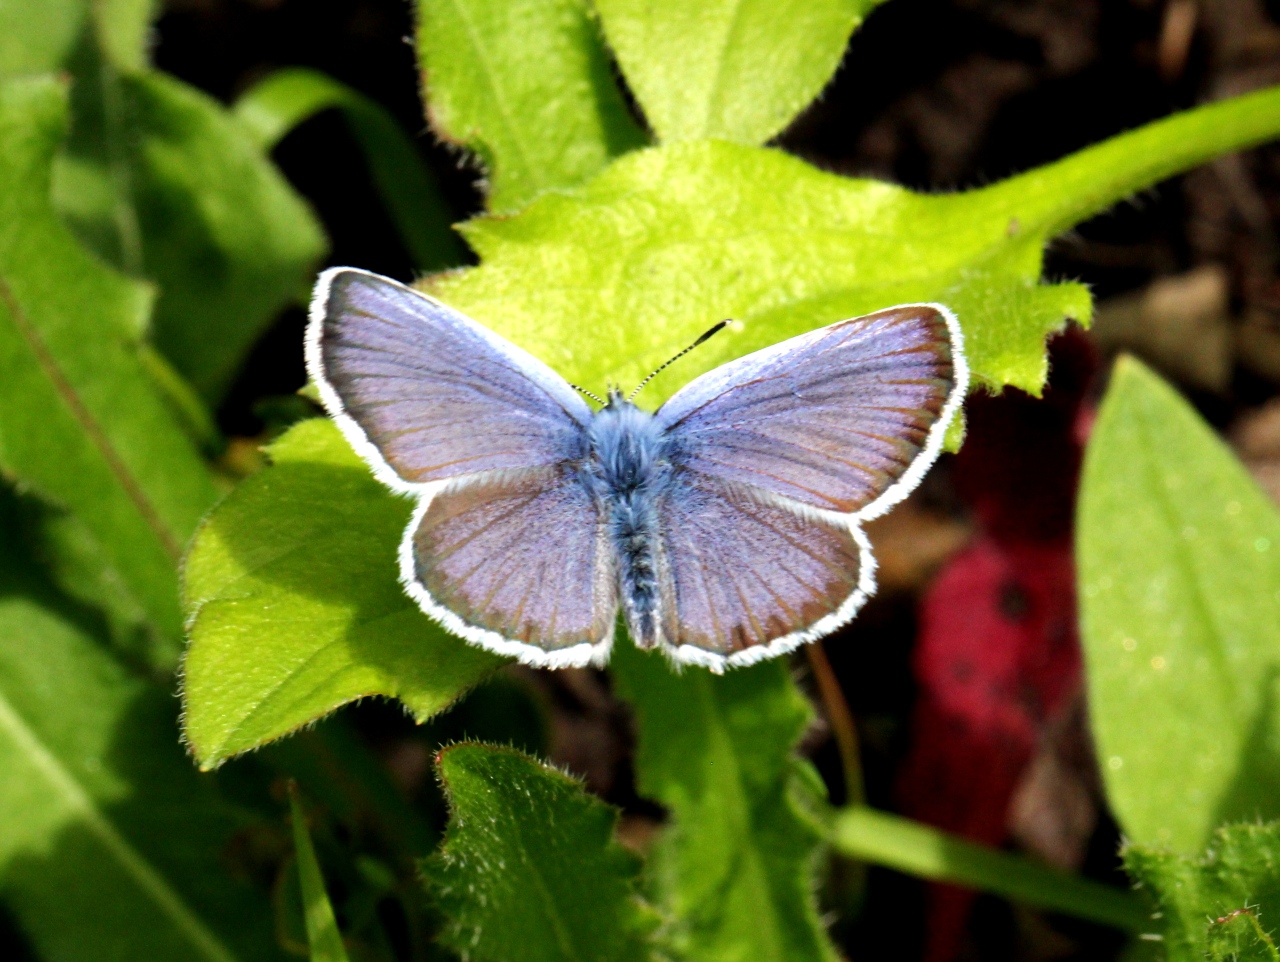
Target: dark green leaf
607 283
735 869
735 70
525 84
112 847
1179 555
277 104
225 238
529 871
294 605
1224 905
322 927
79 422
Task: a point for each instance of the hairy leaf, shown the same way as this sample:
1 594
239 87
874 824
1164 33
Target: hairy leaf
1179 557
735 867
112 846
79 422
277 104
322 928
607 283
525 84
529 871
736 70
294 607
1222 905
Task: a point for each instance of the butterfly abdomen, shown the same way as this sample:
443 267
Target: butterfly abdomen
630 470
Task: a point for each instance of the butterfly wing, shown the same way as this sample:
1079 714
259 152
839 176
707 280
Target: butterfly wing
424 393
778 456
846 418
520 563
506 545
742 578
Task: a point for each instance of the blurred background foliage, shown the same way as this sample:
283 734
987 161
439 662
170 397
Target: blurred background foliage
165 199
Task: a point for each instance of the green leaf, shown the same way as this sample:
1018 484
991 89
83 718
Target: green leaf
286 98
736 70
121 27
1179 559
322 927
526 85
1223 905
735 869
112 846
191 202
529 871
607 283
36 37
926 852
294 607
79 422
225 237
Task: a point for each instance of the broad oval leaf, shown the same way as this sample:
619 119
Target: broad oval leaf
609 281
1179 558
527 85
529 870
738 70
112 846
294 607
735 863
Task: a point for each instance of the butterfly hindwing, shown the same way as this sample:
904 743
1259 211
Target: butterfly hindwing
520 561
743 577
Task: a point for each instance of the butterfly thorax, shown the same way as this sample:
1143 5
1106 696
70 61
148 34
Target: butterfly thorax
628 468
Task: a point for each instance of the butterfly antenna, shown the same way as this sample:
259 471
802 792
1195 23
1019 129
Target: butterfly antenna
706 336
583 390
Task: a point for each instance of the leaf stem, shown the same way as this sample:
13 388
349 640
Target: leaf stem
1055 197
921 850
843 726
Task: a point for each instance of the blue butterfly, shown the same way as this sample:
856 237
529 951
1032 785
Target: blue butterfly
727 526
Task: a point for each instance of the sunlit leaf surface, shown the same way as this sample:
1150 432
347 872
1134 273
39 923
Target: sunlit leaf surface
1179 558
527 86
735 70
295 607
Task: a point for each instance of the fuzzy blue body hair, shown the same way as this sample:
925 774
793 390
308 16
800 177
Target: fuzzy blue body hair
629 470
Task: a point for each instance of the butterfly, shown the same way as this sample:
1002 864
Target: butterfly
726 526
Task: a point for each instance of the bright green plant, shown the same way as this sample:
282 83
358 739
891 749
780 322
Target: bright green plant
604 247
